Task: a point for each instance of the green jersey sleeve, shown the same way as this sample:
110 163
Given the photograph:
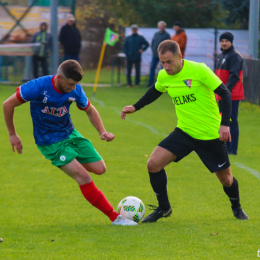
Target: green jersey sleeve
208 77
158 85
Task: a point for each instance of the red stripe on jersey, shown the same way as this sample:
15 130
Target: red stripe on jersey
19 96
85 107
53 84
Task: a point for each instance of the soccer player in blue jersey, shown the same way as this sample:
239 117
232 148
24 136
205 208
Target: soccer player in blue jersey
50 99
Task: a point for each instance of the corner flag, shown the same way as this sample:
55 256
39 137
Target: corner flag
111 37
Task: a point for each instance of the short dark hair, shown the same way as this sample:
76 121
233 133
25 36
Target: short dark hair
46 25
71 69
177 23
169 45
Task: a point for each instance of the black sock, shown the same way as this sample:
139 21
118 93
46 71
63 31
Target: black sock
233 194
159 183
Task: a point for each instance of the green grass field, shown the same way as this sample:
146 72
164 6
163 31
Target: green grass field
44 216
105 76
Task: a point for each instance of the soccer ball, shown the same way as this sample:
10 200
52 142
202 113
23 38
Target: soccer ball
131 208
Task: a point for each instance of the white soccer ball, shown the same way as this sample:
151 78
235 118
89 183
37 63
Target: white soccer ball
132 208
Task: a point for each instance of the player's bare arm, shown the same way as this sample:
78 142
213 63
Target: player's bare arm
96 121
8 108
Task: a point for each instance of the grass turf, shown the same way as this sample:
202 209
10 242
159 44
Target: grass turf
44 216
89 77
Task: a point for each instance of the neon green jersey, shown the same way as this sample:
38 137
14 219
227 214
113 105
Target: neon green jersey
192 92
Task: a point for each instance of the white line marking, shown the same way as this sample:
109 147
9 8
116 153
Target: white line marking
101 103
153 130
252 171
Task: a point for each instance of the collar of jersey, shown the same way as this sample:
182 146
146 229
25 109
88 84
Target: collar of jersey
52 80
181 71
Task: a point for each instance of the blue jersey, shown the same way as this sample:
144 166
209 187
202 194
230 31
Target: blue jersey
50 108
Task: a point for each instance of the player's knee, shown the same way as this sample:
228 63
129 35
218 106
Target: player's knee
101 170
227 180
152 166
82 177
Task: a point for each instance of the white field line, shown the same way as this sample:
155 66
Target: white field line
92 85
252 171
101 103
153 130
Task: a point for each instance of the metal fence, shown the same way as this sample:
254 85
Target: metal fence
251 80
202 44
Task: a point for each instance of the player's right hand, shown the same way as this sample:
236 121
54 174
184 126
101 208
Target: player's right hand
16 143
127 110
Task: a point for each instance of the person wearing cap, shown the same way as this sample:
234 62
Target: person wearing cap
229 68
41 52
134 45
158 37
180 36
70 39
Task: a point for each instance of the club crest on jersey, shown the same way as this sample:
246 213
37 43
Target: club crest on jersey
72 99
188 82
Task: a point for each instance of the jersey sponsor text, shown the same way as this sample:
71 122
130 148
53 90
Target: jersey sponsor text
61 111
181 100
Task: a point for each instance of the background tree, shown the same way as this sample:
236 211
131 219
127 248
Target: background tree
238 12
191 13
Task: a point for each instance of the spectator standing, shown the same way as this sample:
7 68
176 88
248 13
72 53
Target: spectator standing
134 45
229 68
41 52
70 39
158 37
180 36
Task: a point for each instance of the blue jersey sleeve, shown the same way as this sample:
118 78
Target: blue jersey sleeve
82 102
28 91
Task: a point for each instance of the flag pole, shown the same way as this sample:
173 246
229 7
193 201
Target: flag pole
99 68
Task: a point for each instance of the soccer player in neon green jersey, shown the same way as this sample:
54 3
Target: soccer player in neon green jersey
191 86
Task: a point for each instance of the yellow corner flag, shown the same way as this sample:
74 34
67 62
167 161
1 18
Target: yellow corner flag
110 38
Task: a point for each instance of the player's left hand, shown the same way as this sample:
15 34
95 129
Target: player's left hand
16 143
107 136
224 133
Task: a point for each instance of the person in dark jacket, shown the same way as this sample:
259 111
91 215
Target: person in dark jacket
158 37
70 39
229 68
134 45
41 51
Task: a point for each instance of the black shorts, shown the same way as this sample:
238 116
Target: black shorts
213 153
